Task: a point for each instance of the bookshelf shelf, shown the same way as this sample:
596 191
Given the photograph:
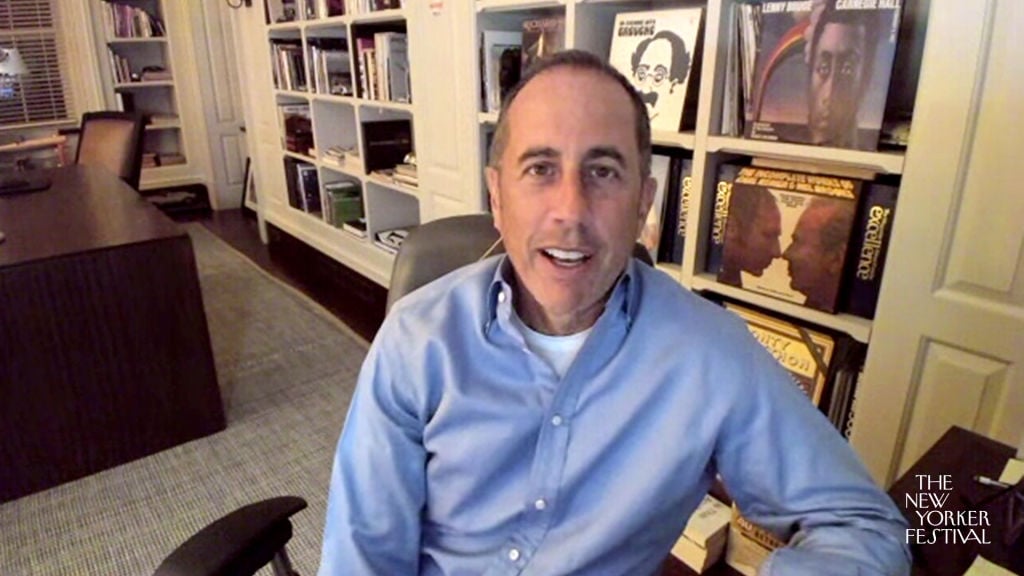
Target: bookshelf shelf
124 33
301 157
684 140
381 105
151 40
397 186
884 162
393 15
340 53
168 126
517 5
858 328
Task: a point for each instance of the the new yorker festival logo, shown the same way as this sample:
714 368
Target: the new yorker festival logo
940 526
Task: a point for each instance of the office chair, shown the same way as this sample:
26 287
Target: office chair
438 247
249 538
239 544
112 140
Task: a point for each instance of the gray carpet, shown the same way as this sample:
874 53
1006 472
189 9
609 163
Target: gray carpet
286 368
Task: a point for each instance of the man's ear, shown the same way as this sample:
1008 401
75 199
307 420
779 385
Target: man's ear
493 194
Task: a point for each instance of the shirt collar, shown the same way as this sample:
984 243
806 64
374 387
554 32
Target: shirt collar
625 295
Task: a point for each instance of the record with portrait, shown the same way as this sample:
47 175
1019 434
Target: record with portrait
658 51
822 72
787 235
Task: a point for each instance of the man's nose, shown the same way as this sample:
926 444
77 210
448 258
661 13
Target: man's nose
569 201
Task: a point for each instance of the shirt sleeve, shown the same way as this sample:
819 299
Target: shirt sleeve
378 480
790 472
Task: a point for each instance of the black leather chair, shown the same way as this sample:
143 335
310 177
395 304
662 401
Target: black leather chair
438 247
251 537
112 140
239 544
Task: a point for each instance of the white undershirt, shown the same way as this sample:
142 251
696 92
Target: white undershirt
557 351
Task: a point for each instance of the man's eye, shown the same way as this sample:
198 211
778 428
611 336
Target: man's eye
602 172
539 170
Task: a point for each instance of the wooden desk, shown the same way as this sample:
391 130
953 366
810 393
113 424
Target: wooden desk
104 349
961 454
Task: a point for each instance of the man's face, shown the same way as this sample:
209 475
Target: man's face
837 69
651 76
762 239
811 266
568 197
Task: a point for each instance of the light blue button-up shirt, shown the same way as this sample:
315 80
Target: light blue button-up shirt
463 453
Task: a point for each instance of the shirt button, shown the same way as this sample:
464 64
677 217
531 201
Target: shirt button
513 554
540 504
556 420
501 296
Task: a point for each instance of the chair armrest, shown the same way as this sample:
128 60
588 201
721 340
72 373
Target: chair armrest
239 543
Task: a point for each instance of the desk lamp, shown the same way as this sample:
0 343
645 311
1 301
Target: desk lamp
12 68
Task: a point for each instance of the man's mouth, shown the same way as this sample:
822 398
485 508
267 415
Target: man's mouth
565 258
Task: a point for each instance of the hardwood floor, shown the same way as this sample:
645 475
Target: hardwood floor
353 299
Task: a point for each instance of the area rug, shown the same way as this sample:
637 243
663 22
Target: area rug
286 368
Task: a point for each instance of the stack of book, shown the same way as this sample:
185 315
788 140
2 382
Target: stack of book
332 73
296 127
338 155
406 174
390 240
703 540
124 21
749 545
383 61
289 66
344 202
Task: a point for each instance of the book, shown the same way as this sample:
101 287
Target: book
677 205
385 143
748 545
355 227
719 216
869 243
822 72
804 352
296 127
659 52
309 188
703 540
344 202
494 44
541 37
650 234
786 235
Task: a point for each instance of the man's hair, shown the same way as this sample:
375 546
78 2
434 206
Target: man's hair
834 232
744 214
870 22
680 66
577 60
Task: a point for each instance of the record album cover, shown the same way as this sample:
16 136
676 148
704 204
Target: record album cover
822 71
787 234
658 51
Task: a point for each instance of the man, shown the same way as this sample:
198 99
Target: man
817 251
563 409
752 235
660 65
840 54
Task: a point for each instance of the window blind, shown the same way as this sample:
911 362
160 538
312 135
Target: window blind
43 96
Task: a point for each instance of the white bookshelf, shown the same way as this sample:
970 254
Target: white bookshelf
337 121
149 97
589 26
